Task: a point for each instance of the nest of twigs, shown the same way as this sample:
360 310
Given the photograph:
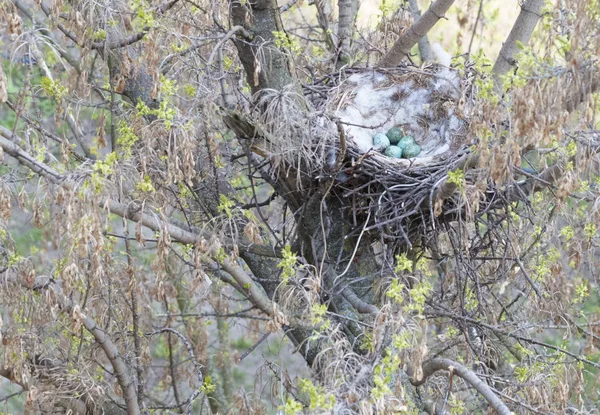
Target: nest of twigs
396 197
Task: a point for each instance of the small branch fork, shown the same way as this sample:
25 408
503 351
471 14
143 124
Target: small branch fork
456 369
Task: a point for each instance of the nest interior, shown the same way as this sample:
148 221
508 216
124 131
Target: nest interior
396 197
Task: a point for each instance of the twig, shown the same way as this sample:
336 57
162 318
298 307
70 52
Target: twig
251 349
288 6
479 12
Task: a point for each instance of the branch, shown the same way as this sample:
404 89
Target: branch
494 329
468 376
360 306
199 376
521 32
112 353
76 406
65 305
424 46
324 11
25 158
73 125
347 14
120 43
266 66
234 31
26 10
134 213
418 29
8 374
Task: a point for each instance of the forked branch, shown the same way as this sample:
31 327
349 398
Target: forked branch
468 376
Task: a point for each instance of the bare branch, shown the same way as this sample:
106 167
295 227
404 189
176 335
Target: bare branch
197 365
432 366
26 10
133 212
520 34
25 158
419 29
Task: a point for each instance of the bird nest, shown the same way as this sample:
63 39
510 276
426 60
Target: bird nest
397 196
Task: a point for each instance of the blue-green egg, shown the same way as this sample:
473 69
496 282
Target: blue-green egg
394 152
406 140
394 134
381 142
411 150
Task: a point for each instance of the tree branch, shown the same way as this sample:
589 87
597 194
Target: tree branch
432 366
234 31
324 11
134 213
73 124
424 46
266 66
112 353
520 34
418 29
104 341
360 306
347 10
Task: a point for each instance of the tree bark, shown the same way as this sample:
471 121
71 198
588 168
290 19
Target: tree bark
265 64
347 15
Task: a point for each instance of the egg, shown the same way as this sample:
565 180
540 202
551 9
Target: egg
411 150
381 142
394 152
406 140
394 134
